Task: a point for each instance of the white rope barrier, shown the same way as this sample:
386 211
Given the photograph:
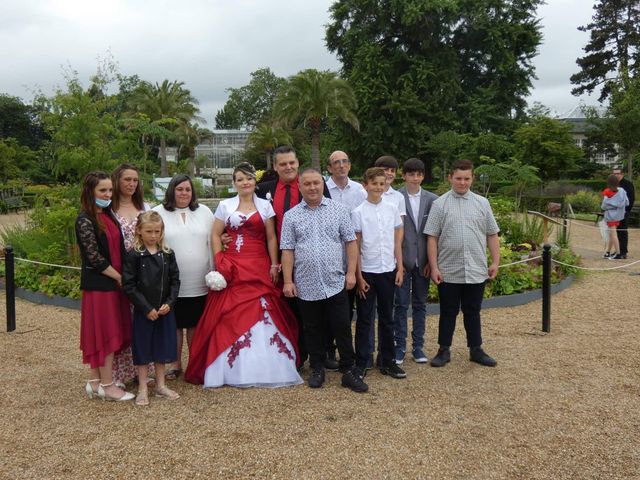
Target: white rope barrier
47 264
572 220
520 261
595 269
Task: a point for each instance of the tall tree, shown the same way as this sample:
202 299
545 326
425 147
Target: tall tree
311 97
623 121
546 144
168 103
20 121
266 138
419 68
613 51
251 104
85 134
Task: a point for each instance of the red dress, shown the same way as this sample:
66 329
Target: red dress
105 321
235 320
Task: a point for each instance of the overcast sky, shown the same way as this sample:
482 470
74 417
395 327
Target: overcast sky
215 44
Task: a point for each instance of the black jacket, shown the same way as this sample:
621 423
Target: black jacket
269 187
94 251
628 187
150 280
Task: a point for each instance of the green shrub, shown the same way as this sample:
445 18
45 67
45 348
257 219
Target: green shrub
49 237
584 202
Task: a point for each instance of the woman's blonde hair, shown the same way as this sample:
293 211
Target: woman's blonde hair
149 217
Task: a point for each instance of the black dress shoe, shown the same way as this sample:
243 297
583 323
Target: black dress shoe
442 357
354 380
478 355
393 370
317 378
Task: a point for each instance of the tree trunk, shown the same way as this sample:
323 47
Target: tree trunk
268 157
315 147
164 172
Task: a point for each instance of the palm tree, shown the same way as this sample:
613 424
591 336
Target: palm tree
167 104
267 137
311 97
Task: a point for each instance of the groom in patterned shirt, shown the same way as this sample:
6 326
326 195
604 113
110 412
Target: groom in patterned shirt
313 227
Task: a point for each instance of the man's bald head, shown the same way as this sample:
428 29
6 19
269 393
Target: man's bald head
339 165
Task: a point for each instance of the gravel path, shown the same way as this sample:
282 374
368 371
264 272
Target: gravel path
558 406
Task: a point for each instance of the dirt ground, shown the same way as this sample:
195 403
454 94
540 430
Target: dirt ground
564 405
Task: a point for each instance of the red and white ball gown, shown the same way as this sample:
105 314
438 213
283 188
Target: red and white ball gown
247 334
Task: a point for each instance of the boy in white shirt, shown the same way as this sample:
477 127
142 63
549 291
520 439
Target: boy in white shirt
390 166
378 228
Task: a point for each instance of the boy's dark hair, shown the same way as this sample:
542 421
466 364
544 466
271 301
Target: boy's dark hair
386 161
371 173
461 165
413 165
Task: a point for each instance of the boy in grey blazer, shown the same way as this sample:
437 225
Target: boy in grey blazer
414 259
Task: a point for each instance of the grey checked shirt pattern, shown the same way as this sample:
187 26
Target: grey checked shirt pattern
462 223
317 235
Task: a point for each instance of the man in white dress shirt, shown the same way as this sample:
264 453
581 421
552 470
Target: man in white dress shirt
341 187
350 194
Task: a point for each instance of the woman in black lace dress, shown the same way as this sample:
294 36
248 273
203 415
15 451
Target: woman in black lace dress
105 325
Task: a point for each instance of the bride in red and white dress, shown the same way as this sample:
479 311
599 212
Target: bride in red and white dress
247 334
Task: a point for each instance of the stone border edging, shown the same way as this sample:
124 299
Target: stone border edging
514 300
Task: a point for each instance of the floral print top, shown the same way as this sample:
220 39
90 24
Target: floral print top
128 230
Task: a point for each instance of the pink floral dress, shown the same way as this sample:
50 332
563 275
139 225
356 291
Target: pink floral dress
123 369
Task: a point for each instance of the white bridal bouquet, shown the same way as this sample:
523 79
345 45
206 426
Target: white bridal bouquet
215 281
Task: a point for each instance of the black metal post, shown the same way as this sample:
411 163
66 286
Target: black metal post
546 288
10 288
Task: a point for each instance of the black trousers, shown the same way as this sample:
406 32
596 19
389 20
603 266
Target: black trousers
623 234
454 296
320 316
302 345
331 344
381 290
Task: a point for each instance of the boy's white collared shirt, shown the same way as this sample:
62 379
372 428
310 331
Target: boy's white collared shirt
397 199
377 223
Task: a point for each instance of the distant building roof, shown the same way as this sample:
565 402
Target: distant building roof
579 112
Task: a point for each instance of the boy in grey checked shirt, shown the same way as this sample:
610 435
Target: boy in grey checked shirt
460 227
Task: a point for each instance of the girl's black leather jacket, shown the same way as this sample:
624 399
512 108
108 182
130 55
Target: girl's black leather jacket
150 280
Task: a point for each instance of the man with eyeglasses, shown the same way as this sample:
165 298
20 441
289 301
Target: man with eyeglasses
350 194
622 230
341 187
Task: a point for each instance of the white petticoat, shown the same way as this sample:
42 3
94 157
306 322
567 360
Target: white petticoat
262 357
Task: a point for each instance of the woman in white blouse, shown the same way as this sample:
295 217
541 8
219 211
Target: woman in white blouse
187 227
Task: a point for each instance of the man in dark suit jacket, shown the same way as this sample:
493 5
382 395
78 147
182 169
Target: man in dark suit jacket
414 260
622 230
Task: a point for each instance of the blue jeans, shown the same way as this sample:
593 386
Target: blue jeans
418 284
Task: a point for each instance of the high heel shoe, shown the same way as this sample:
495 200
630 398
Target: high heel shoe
89 389
103 395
